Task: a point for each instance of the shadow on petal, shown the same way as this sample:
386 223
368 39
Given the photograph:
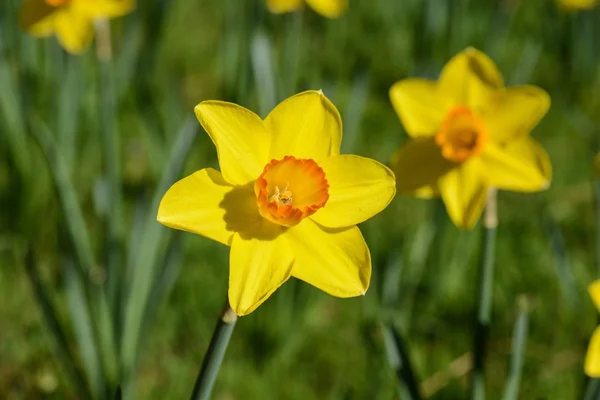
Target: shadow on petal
242 216
418 165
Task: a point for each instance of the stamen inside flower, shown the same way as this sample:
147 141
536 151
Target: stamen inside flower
57 3
462 135
291 189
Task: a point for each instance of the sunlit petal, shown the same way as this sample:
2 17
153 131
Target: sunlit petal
471 77
522 166
240 137
283 6
306 125
574 5
193 204
336 261
418 166
594 291
513 112
421 106
592 358
464 194
359 188
105 8
329 8
257 268
74 30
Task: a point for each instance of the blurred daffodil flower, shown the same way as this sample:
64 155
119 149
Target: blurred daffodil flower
285 200
327 8
596 166
467 133
70 20
592 358
575 5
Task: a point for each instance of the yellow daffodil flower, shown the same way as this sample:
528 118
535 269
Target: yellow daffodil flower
285 200
592 358
467 133
70 20
575 5
327 8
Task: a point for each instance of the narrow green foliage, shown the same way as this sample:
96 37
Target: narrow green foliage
144 270
408 386
58 336
515 373
264 73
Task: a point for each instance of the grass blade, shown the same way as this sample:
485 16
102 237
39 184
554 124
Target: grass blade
73 216
10 101
408 387
561 260
112 162
511 389
264 75
61 343
83 326
144 271
68 110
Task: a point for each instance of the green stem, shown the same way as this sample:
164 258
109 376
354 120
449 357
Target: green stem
214 355
484 310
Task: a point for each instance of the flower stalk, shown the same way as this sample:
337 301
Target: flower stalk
484 304
214 355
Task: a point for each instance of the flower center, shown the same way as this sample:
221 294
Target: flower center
57 3
290 189
462 135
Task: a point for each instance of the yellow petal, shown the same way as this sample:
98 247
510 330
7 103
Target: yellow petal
74 30
256 269
205 204
194 204
594 291
37 17
464 194
336 261
470 78
578 4
359 188
522 166
421 106
329 8
597 166
240 137
306 125
105 8
418 165
592 358
513 112
283 6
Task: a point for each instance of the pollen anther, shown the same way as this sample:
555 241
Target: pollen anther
311 190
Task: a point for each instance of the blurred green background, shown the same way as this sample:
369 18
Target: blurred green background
301 344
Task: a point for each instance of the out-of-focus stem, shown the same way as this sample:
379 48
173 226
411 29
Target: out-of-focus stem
484 304
214 355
